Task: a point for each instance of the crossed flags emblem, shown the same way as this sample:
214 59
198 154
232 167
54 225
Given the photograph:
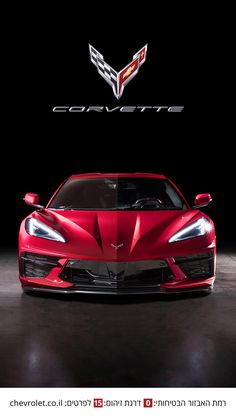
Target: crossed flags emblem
118 80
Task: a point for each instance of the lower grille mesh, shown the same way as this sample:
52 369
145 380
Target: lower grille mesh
197 266
34 265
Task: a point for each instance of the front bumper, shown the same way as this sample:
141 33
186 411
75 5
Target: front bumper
194 272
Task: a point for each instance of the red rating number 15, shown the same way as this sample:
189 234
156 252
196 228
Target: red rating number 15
147 403
97 402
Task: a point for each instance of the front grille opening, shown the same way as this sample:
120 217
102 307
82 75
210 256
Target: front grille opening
111 275
34 265
198 265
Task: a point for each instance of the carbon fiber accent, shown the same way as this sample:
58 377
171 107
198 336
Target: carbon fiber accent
34 265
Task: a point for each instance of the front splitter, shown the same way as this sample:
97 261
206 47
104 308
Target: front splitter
206 289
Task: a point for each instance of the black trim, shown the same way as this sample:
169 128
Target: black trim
196 266
34 265
99 275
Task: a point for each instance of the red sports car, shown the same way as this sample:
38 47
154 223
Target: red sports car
123 233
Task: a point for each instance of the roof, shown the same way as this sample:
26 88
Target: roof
135 174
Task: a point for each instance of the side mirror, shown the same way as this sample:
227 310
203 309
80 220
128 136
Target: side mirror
32 199
202 200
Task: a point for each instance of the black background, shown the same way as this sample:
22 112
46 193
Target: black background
51 67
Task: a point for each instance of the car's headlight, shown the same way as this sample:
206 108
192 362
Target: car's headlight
36 228
198 228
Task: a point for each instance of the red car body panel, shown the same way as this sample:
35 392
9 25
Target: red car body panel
143 235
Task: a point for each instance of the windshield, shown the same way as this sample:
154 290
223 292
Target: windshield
117 193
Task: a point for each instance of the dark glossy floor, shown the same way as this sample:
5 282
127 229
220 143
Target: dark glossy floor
95 341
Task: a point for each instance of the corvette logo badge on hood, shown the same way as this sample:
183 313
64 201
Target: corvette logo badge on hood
117 246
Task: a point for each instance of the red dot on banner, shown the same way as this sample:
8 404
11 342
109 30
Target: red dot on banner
147 403
97 402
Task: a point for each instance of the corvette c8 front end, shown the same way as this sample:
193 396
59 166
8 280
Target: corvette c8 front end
117 234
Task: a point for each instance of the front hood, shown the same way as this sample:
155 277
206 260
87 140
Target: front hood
118 235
